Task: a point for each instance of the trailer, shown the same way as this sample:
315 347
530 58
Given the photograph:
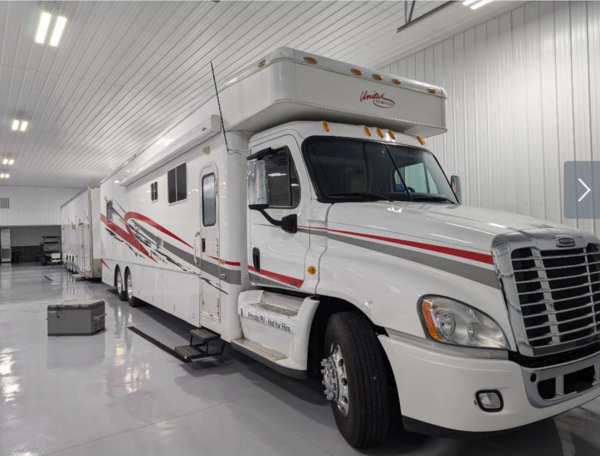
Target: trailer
300 217
81 237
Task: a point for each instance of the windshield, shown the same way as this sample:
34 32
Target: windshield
355 170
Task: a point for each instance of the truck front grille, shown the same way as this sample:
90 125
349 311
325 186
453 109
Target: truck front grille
559 295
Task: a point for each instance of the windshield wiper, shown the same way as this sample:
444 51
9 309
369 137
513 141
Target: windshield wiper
373 195
434 199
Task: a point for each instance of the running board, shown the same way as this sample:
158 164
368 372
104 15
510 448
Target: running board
266 356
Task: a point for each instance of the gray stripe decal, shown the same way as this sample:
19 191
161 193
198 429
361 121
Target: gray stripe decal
232 276
257 278
468 271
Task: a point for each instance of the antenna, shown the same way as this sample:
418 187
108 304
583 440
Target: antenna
212 69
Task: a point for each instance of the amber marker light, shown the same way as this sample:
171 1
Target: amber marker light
310 60
432 90
392 135
261 63
421 140
368 131
428 310
326 126
380 132
312 270
397 81
377 77
356 72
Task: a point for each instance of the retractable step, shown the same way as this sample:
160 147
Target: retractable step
189 353
200 345
203 334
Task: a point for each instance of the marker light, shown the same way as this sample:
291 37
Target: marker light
380 133
377 77
368 131
356 72
42 30
15 124
24 125
326 126
392 135
58 30
421 140
432 90
261 63
310 60
397 81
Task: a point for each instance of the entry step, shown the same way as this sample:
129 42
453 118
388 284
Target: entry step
276 309
203 334
257 349
189 353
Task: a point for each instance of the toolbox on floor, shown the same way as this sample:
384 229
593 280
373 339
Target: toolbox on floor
76 318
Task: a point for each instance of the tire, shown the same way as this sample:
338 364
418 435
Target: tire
363 418
121 293
133 301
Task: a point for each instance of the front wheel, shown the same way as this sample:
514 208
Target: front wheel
355 379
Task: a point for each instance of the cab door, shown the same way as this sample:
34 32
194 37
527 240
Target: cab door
209 243
276 257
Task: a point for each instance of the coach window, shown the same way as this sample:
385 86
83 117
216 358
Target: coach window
282 179
209 200
177 184
154 191
109 211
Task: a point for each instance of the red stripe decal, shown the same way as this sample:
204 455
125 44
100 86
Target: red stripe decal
230 263
127 236
104 263
474 256
296 283
152 223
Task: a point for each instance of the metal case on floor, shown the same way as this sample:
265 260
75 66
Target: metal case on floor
76 318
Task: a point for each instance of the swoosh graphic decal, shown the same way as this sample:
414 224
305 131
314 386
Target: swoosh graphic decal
127 236
152 223
230 263
296 283
104 263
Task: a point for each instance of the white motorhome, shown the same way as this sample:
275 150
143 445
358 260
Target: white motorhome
320 233
81 233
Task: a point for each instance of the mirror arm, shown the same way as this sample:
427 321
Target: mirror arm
289 223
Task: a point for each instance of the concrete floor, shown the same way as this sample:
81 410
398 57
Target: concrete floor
117 394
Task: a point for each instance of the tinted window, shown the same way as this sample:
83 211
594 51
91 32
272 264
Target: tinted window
282 180
109 211
177 183
209 200
154 191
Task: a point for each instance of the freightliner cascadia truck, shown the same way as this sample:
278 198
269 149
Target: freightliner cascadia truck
298 216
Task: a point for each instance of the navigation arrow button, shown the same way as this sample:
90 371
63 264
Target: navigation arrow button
586 192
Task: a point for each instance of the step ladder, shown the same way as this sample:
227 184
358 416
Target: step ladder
203 344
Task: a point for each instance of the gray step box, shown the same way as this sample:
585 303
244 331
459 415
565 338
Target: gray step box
76 318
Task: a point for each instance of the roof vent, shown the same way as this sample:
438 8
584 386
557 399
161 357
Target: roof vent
4 203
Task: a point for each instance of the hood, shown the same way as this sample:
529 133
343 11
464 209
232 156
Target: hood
467 227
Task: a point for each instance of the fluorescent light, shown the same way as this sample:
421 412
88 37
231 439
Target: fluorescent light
6 176
480 4
11 162
58 30
5 161
117 181
164 141
15 125
469 2
1 176
24 125
42 29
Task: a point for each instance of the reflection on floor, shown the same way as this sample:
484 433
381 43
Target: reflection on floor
117 394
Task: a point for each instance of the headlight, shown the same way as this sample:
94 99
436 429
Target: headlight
452 322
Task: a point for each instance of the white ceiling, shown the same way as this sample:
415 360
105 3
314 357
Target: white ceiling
126 71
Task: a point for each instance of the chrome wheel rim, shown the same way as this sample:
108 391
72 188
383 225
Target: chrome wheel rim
129 286
119 283
335 379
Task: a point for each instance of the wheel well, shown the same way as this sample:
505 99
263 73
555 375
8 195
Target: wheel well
117 271
316 346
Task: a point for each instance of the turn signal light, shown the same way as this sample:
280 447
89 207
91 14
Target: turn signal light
310 60
261 63
378 77
397 81
427 314
356 72
392 135
368 131
421 140
326 126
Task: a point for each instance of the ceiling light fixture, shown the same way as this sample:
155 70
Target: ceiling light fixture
15 124
24 125
5 161
469 2
59 27
1 176
117 181
480 4
11 162
42 30
6 176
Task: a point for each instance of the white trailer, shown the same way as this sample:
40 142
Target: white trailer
81 233
320 234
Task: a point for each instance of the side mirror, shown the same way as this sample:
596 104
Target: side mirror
456 188
258 197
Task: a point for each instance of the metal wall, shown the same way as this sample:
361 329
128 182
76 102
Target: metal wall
33 206
523 98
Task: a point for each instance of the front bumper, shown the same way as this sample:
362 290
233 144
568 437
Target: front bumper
439 389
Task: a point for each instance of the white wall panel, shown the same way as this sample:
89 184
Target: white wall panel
33 206
523 98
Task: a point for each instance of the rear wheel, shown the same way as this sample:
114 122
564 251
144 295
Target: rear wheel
355 381
133 301
120 287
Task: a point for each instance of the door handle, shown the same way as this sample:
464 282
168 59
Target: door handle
203 245
256 259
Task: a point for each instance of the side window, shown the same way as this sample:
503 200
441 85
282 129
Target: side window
282 180
109 211
209 200
177 183
154 191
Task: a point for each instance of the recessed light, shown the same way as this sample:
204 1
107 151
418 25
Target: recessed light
480 4
24 125
58 30
117 181
5 161
1 176
6 176
11 162
42 30
15 124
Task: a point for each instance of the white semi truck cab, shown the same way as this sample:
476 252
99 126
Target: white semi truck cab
324 237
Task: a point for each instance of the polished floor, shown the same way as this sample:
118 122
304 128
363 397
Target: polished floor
116 394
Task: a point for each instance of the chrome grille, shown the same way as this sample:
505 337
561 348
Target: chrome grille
559 295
